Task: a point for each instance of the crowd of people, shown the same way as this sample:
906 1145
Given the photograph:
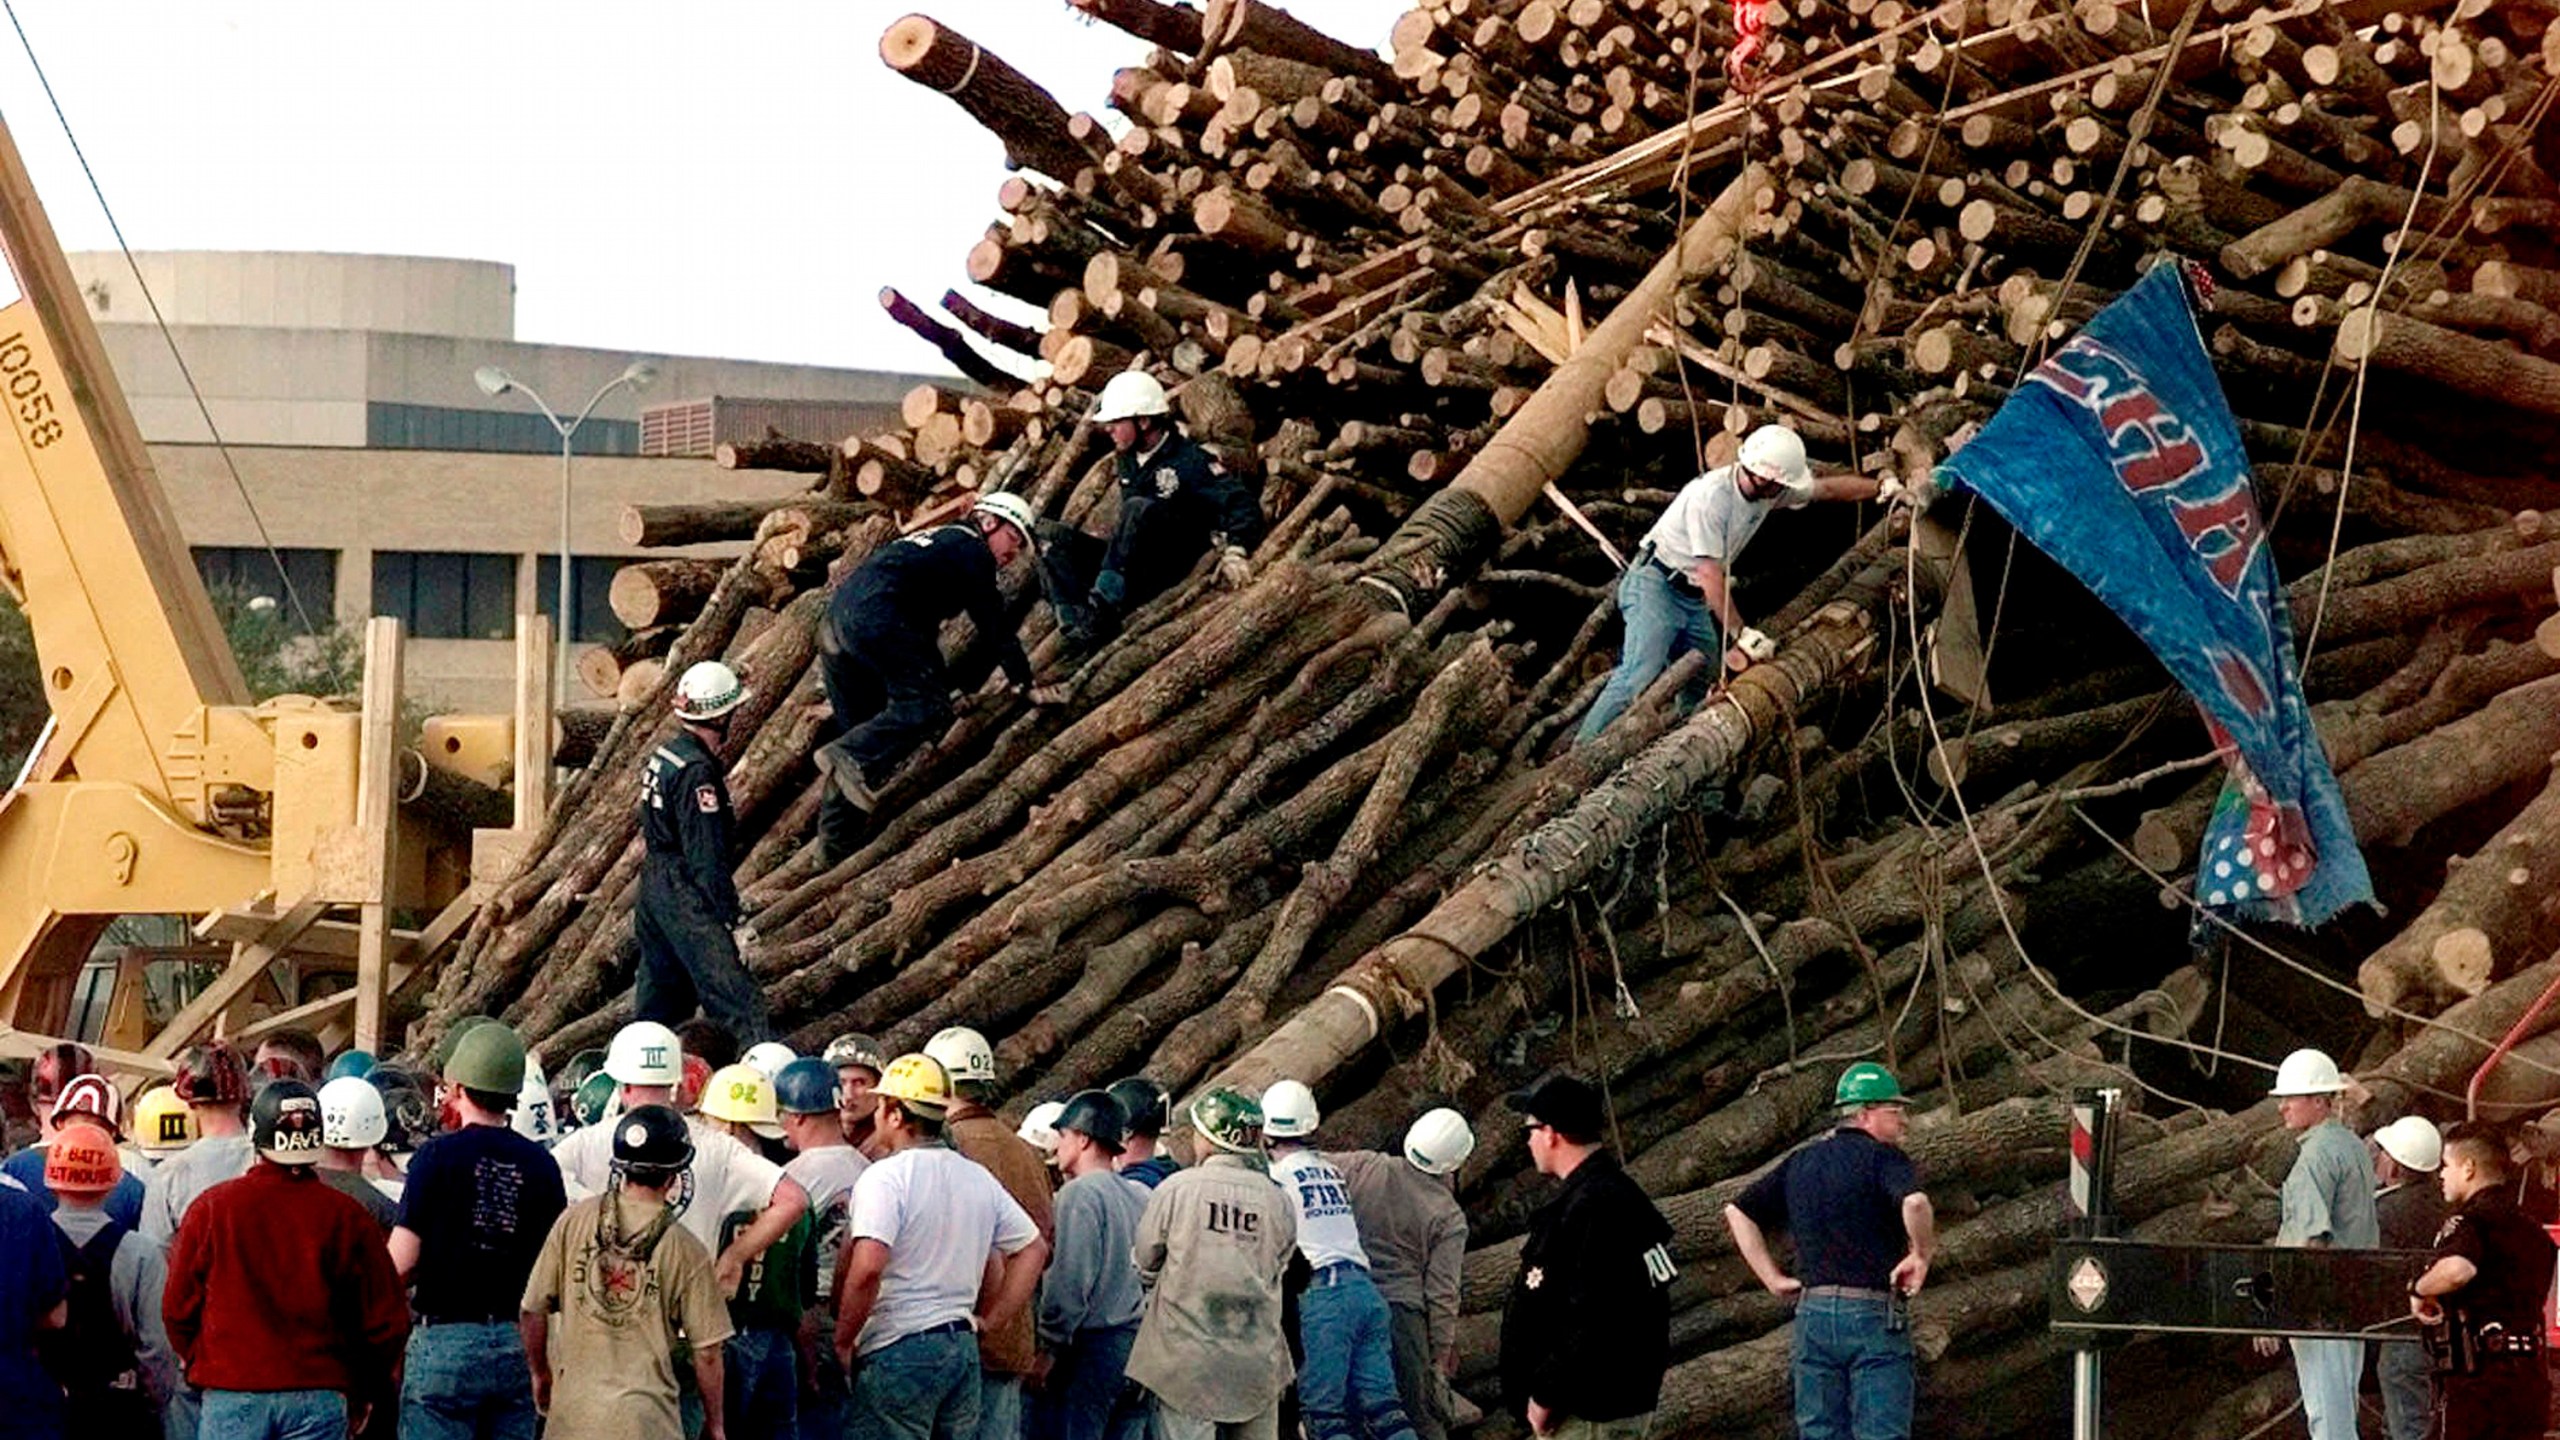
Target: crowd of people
680 1239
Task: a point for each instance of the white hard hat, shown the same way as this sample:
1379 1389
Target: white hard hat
767 1057
1777 452
534 1117
351 1116
2413 1141
963 1053
1129 395
1040 1127
1289 1111
645 1052
1439 1142
2308 1072
708 691
1011 509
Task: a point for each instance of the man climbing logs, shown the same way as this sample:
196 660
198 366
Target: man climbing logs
880 653
1176 501
689 923
1678 594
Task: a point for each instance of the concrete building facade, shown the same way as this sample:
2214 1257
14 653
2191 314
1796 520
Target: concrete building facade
342 388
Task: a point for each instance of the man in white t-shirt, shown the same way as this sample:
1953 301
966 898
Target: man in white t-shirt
1347 1380
646 1061
826 1165
1678 595
936 1252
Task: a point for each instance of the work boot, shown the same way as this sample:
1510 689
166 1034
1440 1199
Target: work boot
845 773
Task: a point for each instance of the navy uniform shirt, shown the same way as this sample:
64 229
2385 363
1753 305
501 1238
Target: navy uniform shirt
1587 1330
685 819
1172 501
2512 1257
1841 1198
918 581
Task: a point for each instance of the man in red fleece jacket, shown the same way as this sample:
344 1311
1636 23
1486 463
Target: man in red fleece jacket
281 1300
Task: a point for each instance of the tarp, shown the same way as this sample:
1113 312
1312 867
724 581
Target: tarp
2120 459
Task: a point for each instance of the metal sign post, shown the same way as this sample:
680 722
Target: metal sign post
2093 1139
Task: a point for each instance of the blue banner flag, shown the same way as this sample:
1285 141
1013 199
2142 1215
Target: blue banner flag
2120 459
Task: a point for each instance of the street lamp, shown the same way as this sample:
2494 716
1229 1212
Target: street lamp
494 382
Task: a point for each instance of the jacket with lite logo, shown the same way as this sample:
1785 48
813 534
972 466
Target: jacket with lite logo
1587 1331
1212 1245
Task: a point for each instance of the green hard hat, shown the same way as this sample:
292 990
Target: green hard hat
1867 1083
490 1058
453 1034
1228 1119
593 1098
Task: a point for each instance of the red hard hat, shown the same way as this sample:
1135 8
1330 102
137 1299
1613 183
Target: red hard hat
212 1075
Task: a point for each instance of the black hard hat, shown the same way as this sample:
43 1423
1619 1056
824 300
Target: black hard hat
1097 1116
1144 1102
284 1122
652 1137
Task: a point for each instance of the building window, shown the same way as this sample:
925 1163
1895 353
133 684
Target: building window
591 615
445 596
391 426
240 574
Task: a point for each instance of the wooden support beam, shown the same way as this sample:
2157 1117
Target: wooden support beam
535 703
377 802
248 962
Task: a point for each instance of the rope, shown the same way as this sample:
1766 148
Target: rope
292 596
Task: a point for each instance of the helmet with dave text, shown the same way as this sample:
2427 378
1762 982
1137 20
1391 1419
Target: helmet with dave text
285 1124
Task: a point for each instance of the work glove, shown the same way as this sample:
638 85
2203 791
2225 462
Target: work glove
1110 589
1918 494
1755 646
1235 570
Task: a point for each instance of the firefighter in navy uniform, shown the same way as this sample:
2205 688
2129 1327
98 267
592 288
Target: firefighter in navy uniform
688 921
2482 1298
1586 1333
1175 502
880 653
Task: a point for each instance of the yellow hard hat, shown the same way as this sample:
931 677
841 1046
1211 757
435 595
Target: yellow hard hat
162 1123
740 1094
917 1080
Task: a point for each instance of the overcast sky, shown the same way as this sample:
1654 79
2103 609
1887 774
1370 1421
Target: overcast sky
734 179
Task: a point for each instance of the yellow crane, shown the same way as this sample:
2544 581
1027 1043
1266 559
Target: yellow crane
159 787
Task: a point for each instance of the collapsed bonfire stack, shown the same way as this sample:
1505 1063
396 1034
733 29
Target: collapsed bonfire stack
1471 309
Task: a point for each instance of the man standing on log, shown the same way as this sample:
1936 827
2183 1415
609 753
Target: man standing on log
1213 1245
2328 1200
2410 1209
1415 1235
1176 501
1145 1103
1008 1353
1678 595
1347 1375
1864 1233
1586 1333
2492 1272
688 921
880 653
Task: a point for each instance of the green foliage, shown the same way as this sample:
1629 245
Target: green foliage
22 703
276 659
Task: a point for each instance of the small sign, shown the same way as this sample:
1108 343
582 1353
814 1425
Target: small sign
2088 1284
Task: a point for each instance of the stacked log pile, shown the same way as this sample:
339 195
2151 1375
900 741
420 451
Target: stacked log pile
1471 312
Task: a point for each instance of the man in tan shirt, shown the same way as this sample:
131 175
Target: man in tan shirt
1007 1354
1212 1246
629 1288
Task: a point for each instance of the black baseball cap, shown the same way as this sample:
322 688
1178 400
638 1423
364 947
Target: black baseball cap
1567 1104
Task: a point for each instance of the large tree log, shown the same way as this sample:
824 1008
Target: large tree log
2495 373
1028 119
2498 911
2509 742
663 592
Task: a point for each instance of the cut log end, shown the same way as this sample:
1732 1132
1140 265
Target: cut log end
2466 959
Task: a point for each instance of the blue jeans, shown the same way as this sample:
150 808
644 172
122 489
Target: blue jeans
467 1382
999 1406
2328 1371
1089 1396
1347 1385
274 1415
924 1387
822 1399
1852 1370
760 1389
1663 621
2408 1389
